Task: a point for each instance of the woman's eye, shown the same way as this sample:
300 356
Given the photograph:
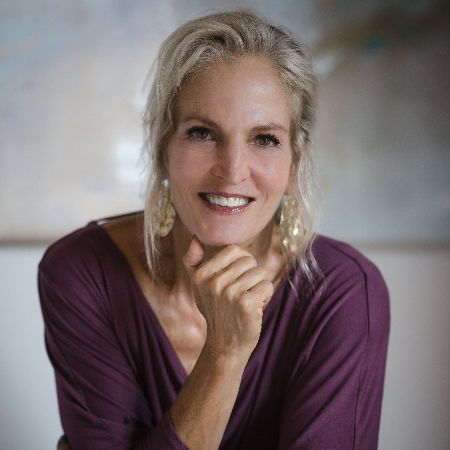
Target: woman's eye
267 140
200 133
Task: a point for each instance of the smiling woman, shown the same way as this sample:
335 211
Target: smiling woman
229 158
216 318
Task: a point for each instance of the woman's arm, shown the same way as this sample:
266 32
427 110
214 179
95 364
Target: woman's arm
231 292
102 404
204 404
333 399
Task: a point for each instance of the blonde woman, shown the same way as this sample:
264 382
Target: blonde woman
216 317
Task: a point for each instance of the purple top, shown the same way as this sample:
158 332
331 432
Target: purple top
314 381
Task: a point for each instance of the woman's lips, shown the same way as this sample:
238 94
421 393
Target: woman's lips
225 203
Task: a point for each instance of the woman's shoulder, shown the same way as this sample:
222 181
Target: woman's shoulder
83 268
339 259
350 281
87 244
76 249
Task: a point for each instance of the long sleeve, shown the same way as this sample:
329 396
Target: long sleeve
314 382
333 398
101 402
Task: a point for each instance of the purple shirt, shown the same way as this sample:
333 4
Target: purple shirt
314 381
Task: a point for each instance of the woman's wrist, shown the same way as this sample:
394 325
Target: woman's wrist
214 381
221 356
224 360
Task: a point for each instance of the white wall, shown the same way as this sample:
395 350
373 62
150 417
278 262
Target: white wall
28 412
416 403
416 409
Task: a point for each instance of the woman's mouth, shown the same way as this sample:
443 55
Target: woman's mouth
227 203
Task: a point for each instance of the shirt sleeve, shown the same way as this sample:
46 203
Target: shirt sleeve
101 403
333 400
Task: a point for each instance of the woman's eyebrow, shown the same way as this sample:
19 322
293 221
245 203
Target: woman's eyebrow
271 126
200 118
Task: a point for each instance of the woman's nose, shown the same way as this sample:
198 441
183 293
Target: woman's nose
232 164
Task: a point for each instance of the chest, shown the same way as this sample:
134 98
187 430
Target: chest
187 336
182 324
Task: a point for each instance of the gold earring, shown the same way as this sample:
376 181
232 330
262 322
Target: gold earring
289 223
164 215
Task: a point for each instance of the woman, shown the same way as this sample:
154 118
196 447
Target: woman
213 319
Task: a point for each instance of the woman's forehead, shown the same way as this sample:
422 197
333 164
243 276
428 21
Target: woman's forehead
247 88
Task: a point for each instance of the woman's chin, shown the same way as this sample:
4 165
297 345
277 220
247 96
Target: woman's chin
220 241
239 237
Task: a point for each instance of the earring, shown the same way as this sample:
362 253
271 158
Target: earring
289 223
164 214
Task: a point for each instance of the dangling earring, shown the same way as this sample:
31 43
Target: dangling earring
289 223
164 214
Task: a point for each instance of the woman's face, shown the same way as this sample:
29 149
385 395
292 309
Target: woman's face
229 158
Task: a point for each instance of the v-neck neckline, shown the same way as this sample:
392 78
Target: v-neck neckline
168 347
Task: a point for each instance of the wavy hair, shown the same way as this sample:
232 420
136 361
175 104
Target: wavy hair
198 44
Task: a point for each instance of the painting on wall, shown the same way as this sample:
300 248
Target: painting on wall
73 87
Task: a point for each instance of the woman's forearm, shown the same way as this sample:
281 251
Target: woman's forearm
230 291
203 406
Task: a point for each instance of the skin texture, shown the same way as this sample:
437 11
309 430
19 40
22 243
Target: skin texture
232 137
237 104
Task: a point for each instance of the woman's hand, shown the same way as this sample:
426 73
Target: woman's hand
231 292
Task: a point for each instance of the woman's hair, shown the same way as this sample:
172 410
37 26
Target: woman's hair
198 44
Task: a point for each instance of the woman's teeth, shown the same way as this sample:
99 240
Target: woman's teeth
226 201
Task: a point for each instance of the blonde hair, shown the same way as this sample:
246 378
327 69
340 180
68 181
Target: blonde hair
198 44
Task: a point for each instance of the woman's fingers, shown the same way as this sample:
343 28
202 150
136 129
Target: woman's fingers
262 292
231 292
194 256
220 281
219 262
245 282
228 273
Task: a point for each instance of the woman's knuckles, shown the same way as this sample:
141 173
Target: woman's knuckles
199 277
247 302
215 288
229 293
258 273
247 262
263 286
267 287
234 251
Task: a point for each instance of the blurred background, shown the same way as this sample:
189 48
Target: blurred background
72 78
